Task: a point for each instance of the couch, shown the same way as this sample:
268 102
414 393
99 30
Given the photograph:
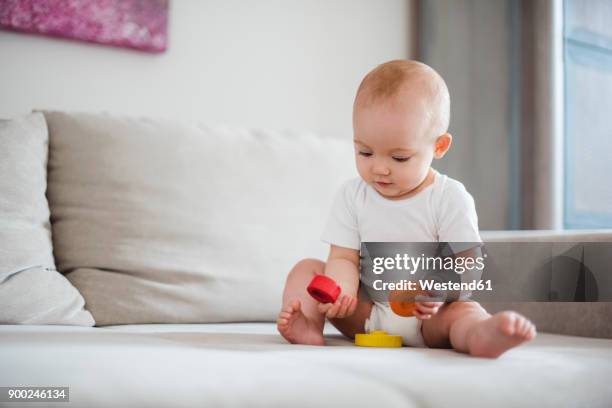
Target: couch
142 264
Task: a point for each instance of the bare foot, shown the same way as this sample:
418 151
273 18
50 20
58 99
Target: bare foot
499 333
294 326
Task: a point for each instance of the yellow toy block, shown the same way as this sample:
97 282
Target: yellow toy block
378 338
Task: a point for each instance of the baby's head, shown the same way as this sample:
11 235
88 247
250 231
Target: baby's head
400 123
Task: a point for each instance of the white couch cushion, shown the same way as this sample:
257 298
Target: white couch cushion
31 291
251 365
155 221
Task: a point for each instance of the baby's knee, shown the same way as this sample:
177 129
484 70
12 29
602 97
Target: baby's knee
466 307
307 267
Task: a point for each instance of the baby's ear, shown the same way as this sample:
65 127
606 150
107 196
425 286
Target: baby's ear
443 143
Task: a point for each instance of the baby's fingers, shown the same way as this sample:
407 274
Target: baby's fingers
421 316
338 308
345 307
427 310
324 307
429 307
352 307
424 312
430 304
331 309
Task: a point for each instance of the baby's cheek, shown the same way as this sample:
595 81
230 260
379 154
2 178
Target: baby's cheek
363 173
410 181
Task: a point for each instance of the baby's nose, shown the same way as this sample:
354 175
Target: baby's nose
380 168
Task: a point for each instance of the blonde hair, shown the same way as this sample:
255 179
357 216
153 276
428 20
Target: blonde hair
387 80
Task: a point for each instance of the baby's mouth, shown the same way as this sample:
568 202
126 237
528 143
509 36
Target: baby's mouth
382 184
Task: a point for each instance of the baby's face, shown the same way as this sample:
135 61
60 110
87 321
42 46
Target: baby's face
393 149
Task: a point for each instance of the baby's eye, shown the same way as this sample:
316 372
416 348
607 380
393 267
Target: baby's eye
366 154
401 159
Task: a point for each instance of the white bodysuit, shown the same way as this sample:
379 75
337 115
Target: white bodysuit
442 212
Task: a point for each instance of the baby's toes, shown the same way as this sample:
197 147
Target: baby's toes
528 330
524 328
294 305
519 326
284 315
509 323
531 333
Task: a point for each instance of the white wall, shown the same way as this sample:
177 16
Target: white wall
269 63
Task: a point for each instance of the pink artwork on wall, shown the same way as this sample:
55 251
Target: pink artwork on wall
138 24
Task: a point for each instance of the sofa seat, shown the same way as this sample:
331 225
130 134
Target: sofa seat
249 364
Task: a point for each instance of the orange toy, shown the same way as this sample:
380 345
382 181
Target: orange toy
402 302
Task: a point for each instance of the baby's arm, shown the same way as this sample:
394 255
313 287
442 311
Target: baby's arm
343 267
425 310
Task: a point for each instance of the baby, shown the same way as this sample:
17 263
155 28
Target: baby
400 121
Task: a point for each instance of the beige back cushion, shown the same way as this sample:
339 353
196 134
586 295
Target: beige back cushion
155 221
31 290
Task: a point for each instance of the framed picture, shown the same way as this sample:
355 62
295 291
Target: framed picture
136 24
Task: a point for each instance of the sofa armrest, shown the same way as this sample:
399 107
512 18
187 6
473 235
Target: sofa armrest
587 319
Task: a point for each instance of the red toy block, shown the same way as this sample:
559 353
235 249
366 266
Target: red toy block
324 289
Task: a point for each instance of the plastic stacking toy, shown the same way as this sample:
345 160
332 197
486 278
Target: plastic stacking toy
378 338
403 302
405 309
324 289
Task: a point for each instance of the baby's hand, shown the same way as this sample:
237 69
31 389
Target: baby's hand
425 310
343 307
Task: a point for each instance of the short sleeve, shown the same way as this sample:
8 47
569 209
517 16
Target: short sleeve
341 228
457 218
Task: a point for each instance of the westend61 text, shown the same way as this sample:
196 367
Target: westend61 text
428 285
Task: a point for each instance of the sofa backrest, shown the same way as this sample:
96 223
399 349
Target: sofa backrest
157 221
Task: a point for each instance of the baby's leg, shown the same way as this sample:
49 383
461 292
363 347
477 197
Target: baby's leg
299 320
468 328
